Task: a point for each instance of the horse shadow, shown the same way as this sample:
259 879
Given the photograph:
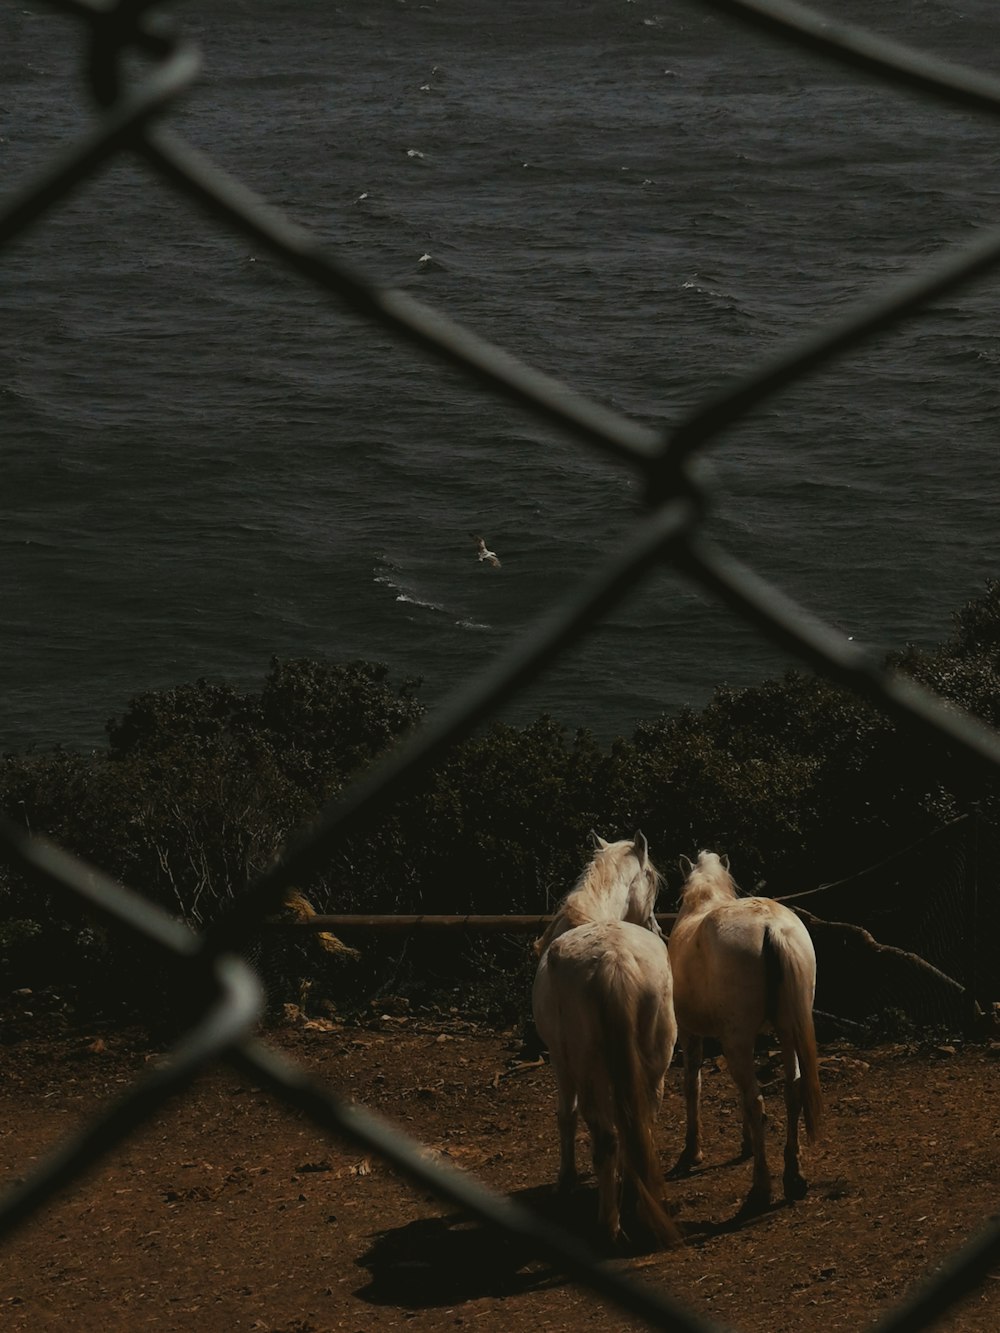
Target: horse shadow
448 1260
750 1213
438 1261
699 1231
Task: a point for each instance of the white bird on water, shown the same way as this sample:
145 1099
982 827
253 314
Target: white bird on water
489 556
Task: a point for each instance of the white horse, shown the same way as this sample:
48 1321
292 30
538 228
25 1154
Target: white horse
602 1004
740 964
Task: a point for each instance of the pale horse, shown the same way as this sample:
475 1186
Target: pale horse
602 1004
740 964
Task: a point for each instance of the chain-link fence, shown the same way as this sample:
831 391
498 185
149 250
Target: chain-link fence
216 988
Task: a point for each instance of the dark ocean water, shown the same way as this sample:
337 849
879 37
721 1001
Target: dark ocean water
208 464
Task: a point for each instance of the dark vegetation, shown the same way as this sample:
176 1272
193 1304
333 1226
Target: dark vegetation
200 785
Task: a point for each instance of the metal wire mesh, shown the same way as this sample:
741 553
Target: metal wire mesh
226 998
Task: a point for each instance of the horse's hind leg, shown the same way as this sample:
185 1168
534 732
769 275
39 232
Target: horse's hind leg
739 1059
692 1155
793 1182
746 1140
566 1117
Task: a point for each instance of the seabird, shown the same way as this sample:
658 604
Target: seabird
489 556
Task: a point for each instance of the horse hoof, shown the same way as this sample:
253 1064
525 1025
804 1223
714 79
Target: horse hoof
757 1201
795 1188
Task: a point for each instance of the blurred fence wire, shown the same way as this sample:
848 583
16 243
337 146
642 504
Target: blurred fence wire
217 989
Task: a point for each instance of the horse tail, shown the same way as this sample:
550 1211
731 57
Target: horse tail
634 1109
783 965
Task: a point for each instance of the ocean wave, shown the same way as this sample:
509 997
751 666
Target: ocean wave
390 576
392 579
719 299
412 600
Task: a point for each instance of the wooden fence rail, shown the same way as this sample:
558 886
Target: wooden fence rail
511 925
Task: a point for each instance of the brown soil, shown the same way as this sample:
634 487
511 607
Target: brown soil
232 1213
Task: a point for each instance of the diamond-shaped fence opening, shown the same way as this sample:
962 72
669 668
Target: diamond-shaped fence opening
219 990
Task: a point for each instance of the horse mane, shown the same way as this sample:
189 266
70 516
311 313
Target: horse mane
588 899
708 877
643 913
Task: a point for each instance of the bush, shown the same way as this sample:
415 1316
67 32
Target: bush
200 785
198 789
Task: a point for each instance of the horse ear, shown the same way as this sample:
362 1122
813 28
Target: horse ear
598 840
641 847
686 867
725 861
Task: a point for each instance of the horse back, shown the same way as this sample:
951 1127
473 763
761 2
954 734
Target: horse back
608 967
603 958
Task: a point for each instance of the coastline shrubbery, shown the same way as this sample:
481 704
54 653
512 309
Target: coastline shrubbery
200 785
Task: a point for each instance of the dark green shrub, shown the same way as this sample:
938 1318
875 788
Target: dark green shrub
200 785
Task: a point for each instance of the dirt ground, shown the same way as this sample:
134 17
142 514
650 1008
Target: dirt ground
230 1212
